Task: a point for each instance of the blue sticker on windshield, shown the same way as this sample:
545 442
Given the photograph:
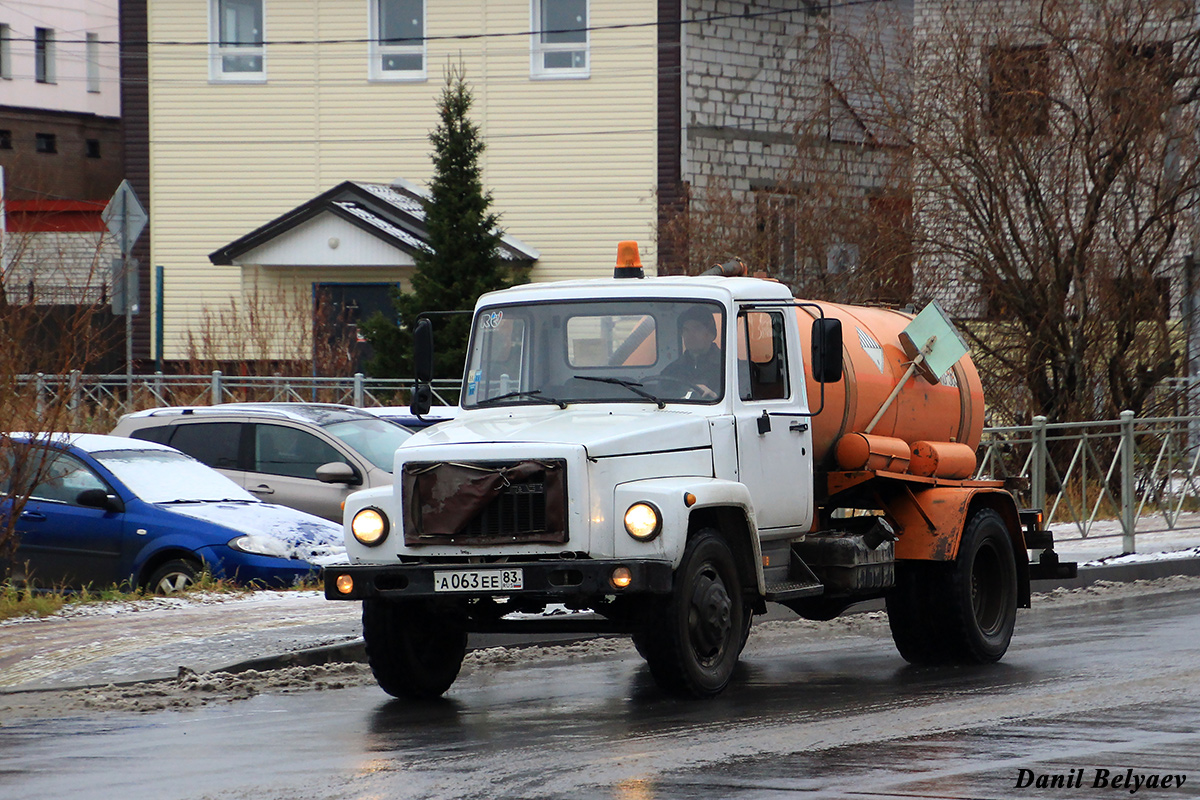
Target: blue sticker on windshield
472 383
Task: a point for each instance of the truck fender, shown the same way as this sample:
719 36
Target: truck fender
678 500
932 520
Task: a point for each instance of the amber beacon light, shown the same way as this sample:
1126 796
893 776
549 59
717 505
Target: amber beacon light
629 263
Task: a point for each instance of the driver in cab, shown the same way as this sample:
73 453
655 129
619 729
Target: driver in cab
700 363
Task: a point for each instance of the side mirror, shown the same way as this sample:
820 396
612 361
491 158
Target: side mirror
423 350
422 395
827 350
421 400
98 498
338 472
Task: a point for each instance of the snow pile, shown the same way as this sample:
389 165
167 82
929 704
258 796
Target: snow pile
1142 558
190 689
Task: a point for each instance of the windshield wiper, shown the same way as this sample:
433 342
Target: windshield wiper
532 394
632 386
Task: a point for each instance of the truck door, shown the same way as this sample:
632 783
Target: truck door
774 453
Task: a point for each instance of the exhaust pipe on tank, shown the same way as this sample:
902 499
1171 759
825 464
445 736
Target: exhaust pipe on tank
733 268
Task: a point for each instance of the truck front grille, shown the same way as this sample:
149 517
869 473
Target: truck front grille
480 503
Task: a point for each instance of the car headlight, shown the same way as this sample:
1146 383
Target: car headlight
643 522
258 545
370 527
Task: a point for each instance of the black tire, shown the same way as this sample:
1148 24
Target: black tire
916 612
414 650
644 638
693 640
983 591
643 642
173 576
964 611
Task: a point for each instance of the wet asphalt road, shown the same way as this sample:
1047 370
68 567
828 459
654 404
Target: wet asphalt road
1111 685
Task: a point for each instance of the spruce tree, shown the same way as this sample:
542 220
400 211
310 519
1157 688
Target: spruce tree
462 261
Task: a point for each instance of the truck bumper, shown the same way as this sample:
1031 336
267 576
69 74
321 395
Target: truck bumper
553 580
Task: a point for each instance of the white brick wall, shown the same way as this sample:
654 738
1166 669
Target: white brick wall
62 267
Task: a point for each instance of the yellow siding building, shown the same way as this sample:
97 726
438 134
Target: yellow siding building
242 134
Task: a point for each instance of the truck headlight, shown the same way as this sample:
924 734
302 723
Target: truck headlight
370 527
643 522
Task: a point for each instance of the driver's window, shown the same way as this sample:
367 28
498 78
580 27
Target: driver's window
762 356
63 478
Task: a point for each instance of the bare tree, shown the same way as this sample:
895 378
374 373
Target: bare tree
52 322
1056 180
1035 169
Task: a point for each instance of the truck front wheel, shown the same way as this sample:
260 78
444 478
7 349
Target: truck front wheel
415 650
693 640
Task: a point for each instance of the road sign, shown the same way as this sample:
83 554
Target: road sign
932 333
125 216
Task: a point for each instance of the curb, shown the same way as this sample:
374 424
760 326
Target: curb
1124 573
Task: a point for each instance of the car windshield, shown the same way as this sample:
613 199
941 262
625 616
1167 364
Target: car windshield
375 439
163 476
610 351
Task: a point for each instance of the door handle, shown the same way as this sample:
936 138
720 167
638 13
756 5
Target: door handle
263 489
798 427
36 516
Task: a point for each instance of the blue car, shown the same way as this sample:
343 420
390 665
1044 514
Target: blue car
107 510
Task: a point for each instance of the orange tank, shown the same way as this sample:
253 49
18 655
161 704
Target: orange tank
874 362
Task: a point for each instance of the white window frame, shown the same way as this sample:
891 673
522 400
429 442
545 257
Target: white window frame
93 63
5 51
217 52
43 56
539 49
377 50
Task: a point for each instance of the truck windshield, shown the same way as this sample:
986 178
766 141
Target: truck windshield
599 351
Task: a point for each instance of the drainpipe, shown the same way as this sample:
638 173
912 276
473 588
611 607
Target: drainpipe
3 234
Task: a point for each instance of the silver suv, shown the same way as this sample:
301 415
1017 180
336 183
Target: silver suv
304 455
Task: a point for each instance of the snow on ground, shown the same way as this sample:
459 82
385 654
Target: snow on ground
158 603
1153 540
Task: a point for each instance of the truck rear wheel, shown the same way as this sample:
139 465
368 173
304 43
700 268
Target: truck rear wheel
693 641
960 611
916 613
983 590
415 651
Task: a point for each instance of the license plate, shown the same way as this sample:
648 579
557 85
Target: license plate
478 580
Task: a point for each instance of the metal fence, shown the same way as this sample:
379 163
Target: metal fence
117 393
1141 473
